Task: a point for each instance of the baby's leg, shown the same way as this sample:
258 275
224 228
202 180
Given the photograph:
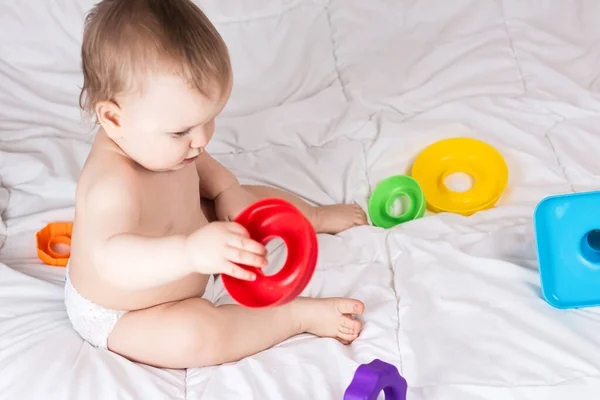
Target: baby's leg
325 219
195 333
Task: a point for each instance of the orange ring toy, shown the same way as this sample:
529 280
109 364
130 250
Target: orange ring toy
52 234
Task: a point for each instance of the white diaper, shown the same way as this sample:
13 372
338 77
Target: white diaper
93 322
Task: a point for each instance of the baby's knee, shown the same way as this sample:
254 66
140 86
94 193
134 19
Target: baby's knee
200 337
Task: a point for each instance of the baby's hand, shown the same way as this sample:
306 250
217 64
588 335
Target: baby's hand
218 246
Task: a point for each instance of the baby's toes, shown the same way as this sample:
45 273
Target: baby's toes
342 341
349 306
349 329
346 330
350 325
360 218
347 338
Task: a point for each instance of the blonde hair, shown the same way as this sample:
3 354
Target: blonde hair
126 40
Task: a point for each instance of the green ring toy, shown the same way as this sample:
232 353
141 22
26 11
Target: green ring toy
384 195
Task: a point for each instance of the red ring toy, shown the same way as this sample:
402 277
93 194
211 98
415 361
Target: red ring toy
266 220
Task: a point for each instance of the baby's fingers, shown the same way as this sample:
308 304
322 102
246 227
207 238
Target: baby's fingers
240 256
238 272
238 229
247 244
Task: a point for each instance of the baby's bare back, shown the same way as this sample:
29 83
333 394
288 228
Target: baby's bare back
169 205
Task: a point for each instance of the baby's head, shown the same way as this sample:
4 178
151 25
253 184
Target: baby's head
156 74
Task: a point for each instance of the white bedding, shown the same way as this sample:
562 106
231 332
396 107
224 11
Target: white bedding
330 98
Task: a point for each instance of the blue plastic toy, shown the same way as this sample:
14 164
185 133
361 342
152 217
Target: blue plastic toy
370 379
567 231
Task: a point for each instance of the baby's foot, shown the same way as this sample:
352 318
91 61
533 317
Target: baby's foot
338 218
330 317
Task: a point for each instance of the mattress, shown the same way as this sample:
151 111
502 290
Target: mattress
330 98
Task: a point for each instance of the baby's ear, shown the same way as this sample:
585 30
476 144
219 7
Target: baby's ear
109 116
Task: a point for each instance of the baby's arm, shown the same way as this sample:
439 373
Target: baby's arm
125 257
214 177
121 254
219 184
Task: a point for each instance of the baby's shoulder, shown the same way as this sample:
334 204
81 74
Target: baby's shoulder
107 178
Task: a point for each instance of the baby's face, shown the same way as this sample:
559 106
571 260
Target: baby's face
169 124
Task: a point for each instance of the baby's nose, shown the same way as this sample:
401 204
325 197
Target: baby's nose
198 142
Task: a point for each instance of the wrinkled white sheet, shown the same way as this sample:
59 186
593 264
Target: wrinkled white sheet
331 97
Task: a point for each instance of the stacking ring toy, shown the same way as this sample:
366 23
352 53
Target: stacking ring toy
266 220
373 378
386 192
51 235
474 157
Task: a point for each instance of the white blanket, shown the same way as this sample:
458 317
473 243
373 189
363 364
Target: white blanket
331 97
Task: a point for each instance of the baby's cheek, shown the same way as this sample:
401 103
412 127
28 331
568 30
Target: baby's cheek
157 155
173 151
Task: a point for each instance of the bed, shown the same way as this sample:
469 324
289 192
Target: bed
330 98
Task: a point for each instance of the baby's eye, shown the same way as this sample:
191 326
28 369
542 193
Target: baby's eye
179 134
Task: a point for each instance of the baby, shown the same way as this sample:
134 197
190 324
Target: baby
154 210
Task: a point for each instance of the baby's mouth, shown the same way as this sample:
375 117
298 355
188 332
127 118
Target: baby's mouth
189 160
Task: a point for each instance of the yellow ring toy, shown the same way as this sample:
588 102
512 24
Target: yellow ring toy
474 157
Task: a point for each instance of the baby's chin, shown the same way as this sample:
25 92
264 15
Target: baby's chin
155 165
177 167
163 168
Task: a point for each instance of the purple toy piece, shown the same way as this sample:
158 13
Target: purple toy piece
370 379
